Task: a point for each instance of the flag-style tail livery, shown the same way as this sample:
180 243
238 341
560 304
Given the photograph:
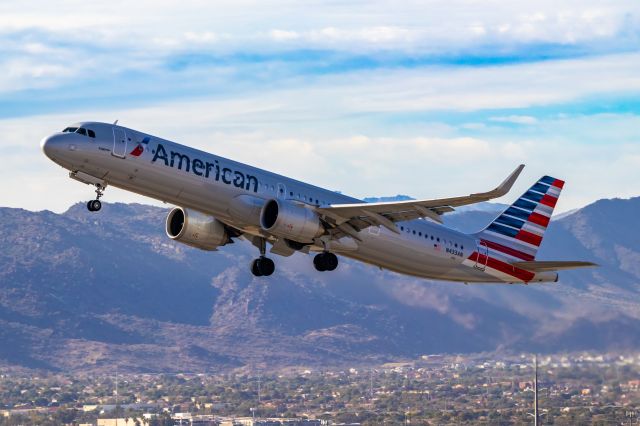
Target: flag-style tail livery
518 231
509 244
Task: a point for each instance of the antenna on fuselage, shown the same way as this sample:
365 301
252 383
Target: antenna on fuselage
115 122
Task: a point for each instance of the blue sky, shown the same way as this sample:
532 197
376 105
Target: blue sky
426 98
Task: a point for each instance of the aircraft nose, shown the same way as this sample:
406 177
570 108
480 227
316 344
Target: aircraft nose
51 145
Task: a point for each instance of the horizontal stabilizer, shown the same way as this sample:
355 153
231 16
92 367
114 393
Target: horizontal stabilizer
552 265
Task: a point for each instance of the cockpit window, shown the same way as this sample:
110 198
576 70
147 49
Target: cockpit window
81 131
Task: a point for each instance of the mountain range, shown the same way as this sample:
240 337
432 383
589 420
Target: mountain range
82 291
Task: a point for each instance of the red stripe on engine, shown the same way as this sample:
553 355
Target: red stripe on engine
507 250
539 219
503 267
548 200
528 237
558 183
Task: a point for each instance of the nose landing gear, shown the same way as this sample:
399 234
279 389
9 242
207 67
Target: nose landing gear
262 266
325 261
96 205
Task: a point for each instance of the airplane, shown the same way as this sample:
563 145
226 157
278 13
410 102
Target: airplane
220 200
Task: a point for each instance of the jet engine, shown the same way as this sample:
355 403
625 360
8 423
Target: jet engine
196 229
289 220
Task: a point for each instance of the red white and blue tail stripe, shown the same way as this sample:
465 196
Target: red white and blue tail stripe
516 234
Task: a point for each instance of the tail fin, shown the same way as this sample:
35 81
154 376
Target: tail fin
518 231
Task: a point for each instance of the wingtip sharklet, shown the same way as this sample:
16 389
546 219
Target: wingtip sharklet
504 187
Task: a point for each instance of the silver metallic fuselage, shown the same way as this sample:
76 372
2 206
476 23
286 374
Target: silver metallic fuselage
423 248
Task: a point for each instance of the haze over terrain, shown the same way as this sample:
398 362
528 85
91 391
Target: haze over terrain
86 292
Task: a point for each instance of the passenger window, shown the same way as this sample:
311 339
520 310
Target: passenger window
438 239
291 193
81 131
91 133
414 232
402 228
420 234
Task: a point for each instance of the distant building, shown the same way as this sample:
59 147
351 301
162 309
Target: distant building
248 421
122 422
187 419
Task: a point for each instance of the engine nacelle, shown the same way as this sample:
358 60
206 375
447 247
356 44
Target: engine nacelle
196 229
292 221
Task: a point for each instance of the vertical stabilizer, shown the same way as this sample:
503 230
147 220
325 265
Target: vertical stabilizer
518 231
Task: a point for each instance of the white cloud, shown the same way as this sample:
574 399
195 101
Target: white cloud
348 130
360 165
431 25
515 119
283 35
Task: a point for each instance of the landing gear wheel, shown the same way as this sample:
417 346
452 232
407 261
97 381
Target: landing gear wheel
325 262
318 262
266 266
262 267
255 270
94 205
331 261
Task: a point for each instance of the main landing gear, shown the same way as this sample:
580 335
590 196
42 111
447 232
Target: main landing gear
262 266
96 205
325 261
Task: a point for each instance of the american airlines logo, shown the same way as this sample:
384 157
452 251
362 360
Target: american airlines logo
139 149
206 169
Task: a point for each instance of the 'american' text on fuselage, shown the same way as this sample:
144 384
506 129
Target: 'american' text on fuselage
206 169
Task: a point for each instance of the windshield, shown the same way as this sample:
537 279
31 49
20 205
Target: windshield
80 130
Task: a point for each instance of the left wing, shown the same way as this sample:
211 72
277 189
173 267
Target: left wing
351 218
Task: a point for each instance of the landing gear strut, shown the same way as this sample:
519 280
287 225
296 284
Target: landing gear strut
325 261
262 266
96 205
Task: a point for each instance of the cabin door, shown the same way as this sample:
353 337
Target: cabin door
119 142
483 256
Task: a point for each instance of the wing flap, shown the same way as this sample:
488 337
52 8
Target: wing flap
552 265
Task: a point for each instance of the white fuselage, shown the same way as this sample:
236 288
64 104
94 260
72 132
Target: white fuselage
210 184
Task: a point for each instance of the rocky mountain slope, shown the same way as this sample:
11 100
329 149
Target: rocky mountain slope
82 291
